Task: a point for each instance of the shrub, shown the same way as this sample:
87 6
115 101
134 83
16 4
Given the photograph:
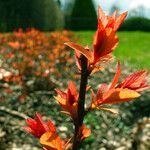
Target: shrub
47 15
42 14
136 23
83 16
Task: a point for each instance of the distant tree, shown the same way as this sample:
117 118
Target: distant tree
3 12
67 10
42 14
114 8
59 2
136 23
15 14
141 10
47 15
83 15
68 6
138 11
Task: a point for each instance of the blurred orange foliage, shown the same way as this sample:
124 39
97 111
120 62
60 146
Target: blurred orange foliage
33 54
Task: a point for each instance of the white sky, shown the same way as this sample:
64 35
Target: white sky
136 3
124 4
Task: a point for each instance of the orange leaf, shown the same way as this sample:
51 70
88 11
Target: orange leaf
114 15
84 132
61 93
80 49
116 77
102 19
104 43
72 93
96 69
60 100
119 95
101 90
51 141
120 20
136 81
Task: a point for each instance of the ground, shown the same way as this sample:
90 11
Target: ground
128 130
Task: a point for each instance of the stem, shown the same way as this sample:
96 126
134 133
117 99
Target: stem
81 102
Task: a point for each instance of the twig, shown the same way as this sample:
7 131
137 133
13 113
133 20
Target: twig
13 112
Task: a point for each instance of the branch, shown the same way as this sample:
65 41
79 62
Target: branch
81 101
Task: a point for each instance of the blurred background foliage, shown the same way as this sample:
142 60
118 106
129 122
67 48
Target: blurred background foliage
83 16
42 14
136 24
48 15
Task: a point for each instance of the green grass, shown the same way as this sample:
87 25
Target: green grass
133 47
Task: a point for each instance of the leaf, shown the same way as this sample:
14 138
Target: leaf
105 42
135 80
51 141
114 15
80 49
120 20
84 132
60 100
102 18
119 95
116 77
93 99
101 90
96 69
61 93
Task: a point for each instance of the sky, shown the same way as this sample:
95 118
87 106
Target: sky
129 4
125 5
